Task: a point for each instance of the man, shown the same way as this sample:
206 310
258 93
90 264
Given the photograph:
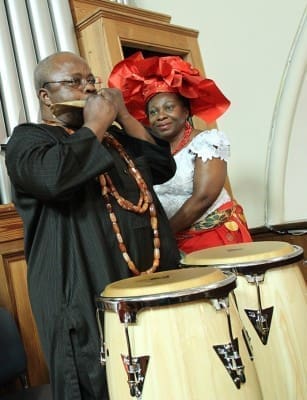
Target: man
89 211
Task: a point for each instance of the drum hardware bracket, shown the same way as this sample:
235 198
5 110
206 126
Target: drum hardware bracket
220 304
127 313
230 357
254 278
245 334
136 368
261 319
100 319
229 353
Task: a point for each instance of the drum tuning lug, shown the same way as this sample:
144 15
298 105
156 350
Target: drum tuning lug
216 304
127 316
254 278
102 356
231 359
136 368
220 304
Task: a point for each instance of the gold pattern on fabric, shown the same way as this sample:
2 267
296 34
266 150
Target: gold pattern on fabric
216 218
232 226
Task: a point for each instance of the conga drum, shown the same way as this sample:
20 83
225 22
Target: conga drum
271 298
174 336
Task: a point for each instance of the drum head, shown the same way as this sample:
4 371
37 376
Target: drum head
243 254
164 282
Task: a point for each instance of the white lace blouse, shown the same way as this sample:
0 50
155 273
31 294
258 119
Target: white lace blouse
207 145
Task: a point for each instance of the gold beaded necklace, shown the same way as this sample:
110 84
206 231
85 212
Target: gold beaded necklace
145 202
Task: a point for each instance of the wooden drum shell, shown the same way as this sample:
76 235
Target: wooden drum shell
281 364
179 340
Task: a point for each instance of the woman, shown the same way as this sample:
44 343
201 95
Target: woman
165 92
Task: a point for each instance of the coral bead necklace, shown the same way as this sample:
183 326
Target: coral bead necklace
145 202
185 139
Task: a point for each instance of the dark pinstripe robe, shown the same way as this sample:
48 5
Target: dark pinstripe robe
70 247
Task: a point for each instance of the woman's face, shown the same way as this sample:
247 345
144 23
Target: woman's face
167 115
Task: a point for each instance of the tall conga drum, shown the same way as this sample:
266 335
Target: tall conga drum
174 336
271 297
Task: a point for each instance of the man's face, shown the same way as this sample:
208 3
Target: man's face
70 78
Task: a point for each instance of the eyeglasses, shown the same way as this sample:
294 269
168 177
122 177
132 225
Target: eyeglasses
76 83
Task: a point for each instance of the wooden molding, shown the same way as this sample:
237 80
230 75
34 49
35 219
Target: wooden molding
123 16
81 9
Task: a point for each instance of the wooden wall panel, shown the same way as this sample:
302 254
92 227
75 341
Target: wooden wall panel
17 278
14 292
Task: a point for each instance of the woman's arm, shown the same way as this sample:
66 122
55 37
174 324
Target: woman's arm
208 181
131 125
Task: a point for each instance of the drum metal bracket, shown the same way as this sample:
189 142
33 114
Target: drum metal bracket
220 304
261 321
261 318
136 368
254 278
231 359
100 323
229 353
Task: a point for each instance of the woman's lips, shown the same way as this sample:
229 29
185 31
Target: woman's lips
163 127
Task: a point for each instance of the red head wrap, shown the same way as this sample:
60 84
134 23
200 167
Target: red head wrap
141 78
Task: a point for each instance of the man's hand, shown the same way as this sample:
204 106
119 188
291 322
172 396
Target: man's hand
99 112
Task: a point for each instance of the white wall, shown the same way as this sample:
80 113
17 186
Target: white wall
245 48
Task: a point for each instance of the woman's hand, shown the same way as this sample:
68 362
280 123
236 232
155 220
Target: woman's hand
131 126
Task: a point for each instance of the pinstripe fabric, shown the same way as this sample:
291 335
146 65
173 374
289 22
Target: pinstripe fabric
71 250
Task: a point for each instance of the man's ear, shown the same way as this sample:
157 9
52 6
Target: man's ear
43 95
